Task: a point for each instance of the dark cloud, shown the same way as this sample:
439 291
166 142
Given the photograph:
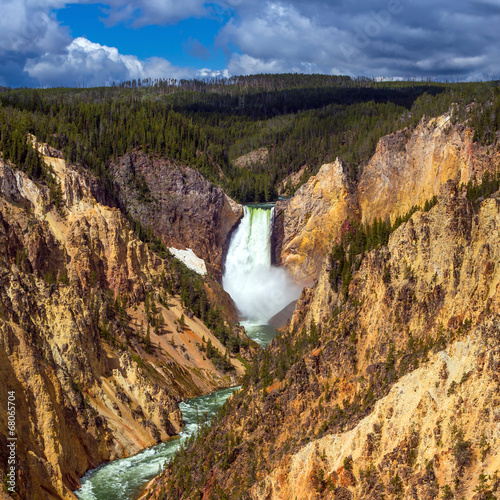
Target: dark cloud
12 72
400 38
394 38
27 29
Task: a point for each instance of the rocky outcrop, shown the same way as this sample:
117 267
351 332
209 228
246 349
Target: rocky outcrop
252 159
178 205
278 233
390 391
407 170
289 184
94 338
310 221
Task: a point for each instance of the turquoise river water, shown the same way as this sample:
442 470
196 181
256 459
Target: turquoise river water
125 478
259 290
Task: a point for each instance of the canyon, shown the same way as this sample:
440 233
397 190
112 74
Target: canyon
387 387
381 385
96 341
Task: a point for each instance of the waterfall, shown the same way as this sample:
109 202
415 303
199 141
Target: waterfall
258 289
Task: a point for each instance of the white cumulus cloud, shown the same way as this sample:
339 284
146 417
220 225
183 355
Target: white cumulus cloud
35 49
402 38
89 63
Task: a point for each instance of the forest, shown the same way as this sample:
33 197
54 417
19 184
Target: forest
301 120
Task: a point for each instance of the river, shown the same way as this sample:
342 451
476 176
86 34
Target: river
259 290
125 478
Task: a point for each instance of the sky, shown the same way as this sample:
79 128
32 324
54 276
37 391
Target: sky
46 43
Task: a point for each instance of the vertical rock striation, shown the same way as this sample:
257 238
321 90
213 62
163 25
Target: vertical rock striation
97 350
407 170
311 221
179 205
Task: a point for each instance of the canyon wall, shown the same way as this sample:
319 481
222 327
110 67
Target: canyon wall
386 387
407 169
407 370
94 337
182 208
310 221
388 392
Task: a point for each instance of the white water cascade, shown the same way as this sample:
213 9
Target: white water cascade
258 289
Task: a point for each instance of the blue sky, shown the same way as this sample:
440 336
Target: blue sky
189 42
82 42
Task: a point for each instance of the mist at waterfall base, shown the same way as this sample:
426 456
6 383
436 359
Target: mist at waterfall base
258 289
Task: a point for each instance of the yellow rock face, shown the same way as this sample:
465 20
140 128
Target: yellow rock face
394 393
407 169
439 275
398 394
415 425
86 389
312 220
